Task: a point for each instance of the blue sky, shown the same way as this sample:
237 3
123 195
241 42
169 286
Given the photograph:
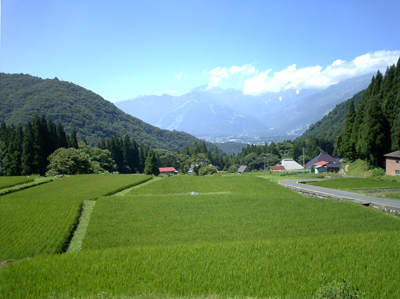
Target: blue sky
122 49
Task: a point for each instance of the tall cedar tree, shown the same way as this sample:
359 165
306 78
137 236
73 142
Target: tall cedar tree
151 164
347 148
27 158
73 140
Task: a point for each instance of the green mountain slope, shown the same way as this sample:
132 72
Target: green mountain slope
23 96
331 124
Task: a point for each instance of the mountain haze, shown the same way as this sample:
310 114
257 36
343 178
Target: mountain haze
332 124
216 111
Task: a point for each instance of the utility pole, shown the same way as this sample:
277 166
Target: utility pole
264 163
303 159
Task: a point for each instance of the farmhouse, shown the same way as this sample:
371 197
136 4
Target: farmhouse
168 170
243 168
393 163
327 159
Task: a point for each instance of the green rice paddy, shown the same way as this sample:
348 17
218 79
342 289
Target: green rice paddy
242 236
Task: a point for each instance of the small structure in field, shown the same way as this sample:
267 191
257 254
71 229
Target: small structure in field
243 168
168 170
393 163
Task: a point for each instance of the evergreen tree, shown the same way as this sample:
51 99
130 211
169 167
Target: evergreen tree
395 146
40 133
62 140
151 164
27 158
374 142
143 152
52 137
134 163
356 132
73 140
127 155
347 147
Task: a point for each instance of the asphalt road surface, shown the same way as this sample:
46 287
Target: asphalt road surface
383 203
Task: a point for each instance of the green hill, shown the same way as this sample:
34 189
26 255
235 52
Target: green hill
331 124
24 96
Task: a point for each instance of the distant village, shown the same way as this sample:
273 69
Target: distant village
323 163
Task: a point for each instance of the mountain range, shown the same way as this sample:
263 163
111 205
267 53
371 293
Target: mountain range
215 111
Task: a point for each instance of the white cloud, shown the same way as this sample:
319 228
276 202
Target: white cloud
216 75
338 62
229 75
317 76
179 76
171 91
244 69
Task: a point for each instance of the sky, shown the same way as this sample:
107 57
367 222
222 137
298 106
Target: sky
123 49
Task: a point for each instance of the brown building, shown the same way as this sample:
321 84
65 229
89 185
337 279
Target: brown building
277 168
393 163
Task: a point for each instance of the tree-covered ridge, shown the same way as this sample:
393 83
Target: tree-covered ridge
24 96
332 124
374 128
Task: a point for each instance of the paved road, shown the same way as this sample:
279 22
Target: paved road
378 202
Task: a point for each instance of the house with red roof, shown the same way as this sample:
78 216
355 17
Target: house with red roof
168 170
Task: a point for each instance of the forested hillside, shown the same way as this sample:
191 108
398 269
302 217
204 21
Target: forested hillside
24 96
332 124
374 128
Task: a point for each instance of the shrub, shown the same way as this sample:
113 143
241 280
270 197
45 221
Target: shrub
205 170
338 290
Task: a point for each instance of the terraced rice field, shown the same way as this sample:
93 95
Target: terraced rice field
242 236
40 219
10 181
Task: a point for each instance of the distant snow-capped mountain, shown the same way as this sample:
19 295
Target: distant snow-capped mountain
217 111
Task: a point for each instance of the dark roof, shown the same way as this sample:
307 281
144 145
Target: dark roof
395 154
324 156
243 168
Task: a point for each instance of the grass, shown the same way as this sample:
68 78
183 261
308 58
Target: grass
35 182
242 236
186 184
39 220
10 181
79 234
290 268
267 212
